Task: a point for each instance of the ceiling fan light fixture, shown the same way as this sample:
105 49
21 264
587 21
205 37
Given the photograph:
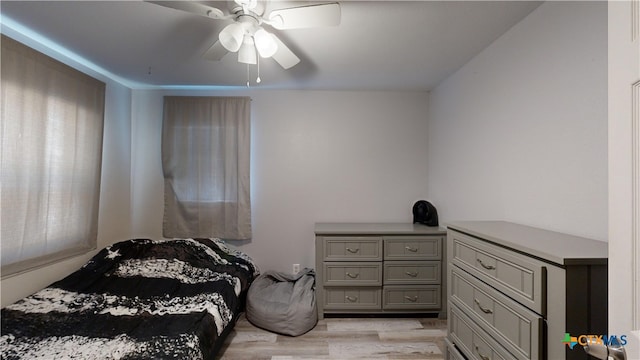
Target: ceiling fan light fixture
246 35
265 43
231 37
247 52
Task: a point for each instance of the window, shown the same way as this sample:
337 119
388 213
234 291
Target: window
208 191
51 130
205 160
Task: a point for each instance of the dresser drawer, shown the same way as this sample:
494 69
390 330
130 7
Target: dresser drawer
412 272
352 248
473 342
514 326
352 298
411 297
413 247
451 352
518 276
352 274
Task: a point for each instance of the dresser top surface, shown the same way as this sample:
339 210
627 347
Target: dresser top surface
551 246
377 229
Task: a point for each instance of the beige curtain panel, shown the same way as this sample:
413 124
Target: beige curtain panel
51 131
205 160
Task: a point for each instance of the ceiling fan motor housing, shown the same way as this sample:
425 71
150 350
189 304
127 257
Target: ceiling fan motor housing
254 7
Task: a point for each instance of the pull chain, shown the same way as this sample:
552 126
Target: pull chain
258 80
248 75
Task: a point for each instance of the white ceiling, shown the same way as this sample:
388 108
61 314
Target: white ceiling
379 45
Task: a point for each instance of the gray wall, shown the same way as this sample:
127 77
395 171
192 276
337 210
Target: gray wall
520 132
316 156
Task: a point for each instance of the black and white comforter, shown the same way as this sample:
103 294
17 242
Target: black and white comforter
135 299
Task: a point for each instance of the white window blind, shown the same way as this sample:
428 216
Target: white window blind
51 131
205 160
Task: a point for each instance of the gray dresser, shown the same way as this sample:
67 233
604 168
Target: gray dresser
514 291
375 268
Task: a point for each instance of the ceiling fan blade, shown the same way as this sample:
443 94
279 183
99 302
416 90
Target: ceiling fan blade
193 7
305 16
216 52
284 56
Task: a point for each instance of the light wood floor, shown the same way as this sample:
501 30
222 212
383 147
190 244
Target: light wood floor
342 338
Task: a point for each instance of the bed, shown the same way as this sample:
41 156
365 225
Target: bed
136 299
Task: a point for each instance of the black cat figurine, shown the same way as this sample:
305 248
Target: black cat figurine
425 213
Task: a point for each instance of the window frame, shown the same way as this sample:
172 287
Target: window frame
77 103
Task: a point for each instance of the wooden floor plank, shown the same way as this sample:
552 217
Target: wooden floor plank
341 338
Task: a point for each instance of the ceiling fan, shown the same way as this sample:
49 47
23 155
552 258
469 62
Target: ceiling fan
246 34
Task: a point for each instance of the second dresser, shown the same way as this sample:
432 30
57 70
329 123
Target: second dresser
377 268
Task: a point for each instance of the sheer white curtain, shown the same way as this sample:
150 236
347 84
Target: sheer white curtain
51 131
205 160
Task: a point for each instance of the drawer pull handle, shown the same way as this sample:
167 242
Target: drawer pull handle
483 357
353 251
412 274
353 276
484 310
411 249
411 298
351 298
488 267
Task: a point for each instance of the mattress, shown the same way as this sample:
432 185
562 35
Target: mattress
140 298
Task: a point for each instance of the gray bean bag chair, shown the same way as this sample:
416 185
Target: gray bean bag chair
283 303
